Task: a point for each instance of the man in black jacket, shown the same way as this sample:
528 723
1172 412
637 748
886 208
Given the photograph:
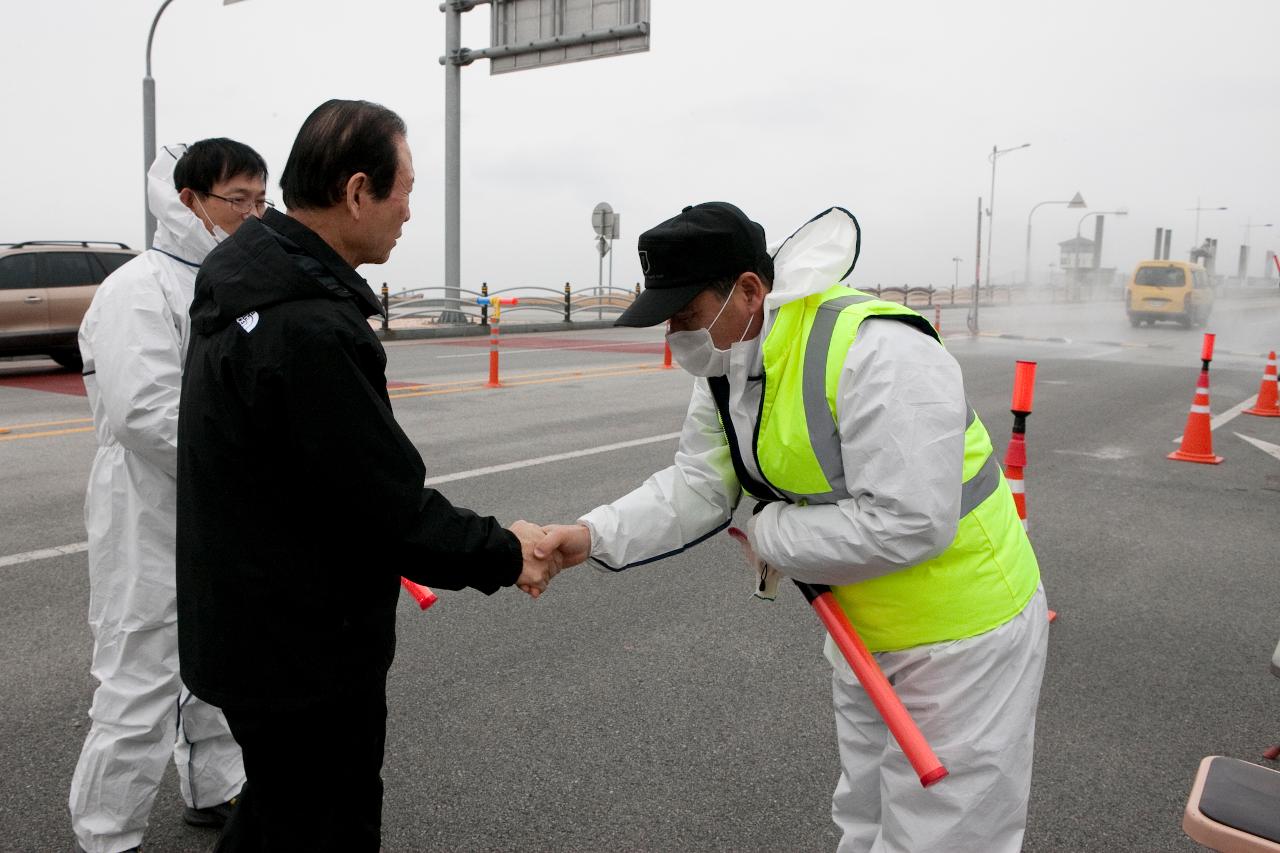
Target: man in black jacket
300 500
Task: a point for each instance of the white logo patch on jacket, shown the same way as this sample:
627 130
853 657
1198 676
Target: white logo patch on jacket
249 321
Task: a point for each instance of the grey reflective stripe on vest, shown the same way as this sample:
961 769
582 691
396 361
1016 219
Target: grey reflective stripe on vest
824 433
980 486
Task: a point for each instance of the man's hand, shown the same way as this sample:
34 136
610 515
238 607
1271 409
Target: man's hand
765 576
538 569
570 543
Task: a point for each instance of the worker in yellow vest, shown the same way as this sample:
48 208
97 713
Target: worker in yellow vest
844 421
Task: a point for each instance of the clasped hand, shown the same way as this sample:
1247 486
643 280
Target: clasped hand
547 551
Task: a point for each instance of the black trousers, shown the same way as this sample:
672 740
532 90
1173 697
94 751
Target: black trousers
313 777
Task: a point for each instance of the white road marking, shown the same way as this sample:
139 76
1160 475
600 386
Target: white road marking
62 550
1265 446
542 460
1225 417
43 554
1108 453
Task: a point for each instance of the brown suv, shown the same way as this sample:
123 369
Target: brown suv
45 288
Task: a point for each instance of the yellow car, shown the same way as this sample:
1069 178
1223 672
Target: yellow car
1169 290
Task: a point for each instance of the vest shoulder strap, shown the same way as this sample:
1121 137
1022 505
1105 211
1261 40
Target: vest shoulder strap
720 393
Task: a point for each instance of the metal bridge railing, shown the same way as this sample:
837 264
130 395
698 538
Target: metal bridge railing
536 302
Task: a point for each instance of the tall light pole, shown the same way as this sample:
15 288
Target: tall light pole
149 124
996 154
1075 261
1250 226
1076 202
956 281
1196 242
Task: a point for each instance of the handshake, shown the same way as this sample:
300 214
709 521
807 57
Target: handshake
548 550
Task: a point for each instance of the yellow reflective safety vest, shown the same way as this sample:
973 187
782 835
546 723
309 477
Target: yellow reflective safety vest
988 573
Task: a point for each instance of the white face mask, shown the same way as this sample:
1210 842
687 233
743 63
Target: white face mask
219 233
696 352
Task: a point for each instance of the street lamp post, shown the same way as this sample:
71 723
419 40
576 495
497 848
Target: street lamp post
955 282
1196 242
1076 202
996 154
1075 260
149 124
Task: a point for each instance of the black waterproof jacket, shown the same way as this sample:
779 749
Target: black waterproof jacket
300 500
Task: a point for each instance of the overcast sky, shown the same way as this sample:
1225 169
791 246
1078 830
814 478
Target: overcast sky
784 108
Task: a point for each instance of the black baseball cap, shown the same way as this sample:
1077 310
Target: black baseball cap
681 257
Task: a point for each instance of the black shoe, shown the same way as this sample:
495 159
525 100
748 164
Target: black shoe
213 817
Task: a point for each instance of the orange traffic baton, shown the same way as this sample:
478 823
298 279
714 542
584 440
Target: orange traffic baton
1197 436
421 594
1267 405
895 715
864 666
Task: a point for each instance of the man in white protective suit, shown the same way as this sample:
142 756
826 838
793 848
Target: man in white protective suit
133 341
845 418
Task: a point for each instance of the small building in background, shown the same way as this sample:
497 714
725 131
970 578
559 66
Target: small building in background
1076 253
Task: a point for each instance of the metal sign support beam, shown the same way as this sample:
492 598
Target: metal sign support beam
456 56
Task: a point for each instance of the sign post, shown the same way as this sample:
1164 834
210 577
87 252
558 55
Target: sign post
525 34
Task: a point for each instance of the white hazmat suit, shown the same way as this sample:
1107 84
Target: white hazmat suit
902 414
134 340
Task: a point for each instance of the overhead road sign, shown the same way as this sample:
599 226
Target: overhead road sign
536 33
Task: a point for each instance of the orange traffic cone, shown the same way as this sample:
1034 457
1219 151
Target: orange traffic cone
1267 405
1197 436
1015 457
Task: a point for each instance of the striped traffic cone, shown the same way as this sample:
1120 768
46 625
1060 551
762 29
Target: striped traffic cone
1015 456
1267 405
1015 460
1197 436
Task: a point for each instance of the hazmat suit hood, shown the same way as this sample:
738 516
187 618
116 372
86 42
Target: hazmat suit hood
179 232
820 254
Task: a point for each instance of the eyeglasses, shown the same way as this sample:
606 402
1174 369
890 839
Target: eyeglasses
244 205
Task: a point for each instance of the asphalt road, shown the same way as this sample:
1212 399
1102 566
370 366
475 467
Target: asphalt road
663 709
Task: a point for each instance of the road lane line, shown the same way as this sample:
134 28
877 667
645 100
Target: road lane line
78 547
1265 446
469 384
543 460
600 346
48 423
406 391
1227 416
43 554
481 386
45 434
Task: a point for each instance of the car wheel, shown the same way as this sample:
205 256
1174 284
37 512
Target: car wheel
68 358
1135 322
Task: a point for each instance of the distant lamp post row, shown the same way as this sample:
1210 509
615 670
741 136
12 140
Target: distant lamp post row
1076 203
1196 242
149 124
